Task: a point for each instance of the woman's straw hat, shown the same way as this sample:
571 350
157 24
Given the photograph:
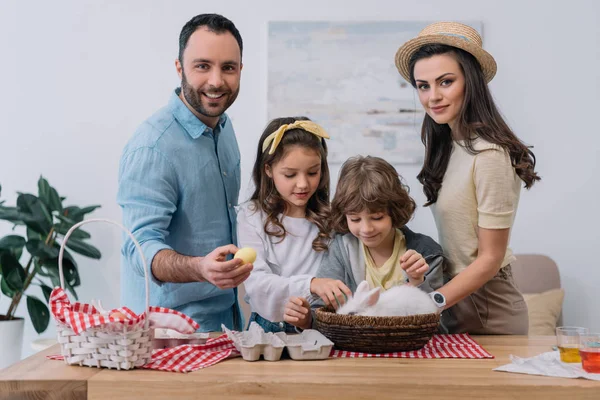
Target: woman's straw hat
452 34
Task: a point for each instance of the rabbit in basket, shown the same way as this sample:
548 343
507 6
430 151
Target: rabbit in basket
398 301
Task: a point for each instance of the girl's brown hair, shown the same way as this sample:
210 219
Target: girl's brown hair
270 201
370 183
479 117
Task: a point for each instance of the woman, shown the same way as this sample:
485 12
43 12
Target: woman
473 170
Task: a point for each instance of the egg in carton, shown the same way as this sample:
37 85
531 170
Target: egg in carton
256 342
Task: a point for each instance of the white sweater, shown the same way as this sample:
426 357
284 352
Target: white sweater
282 268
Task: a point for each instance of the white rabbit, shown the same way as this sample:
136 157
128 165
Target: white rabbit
400 300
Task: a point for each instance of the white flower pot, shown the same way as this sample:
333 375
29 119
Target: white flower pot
11 341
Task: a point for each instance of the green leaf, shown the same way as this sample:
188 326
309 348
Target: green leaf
78 233
72 290
31 234
69 269
38 248
55 279
47 290
39 269
66 256
39 313
11 241
43 188
48 195
83 248
88 209
11 214
72 212
12 271
38 216
66 220
14 244
5 289
76 214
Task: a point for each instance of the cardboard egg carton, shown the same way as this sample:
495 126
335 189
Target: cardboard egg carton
256 342
308 345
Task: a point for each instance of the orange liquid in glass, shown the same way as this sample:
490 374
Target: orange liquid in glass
569 354
590 360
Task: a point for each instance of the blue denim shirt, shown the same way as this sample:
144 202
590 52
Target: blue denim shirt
179 181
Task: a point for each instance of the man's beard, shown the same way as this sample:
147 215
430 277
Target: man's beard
194 98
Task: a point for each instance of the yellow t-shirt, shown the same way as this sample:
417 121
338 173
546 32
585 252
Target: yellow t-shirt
389 274
479 190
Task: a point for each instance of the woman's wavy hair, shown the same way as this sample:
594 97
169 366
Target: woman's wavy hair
268 198
479 117
370 183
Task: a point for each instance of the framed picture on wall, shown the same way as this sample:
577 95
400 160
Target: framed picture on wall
342 76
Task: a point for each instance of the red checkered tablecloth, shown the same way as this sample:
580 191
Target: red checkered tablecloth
440 346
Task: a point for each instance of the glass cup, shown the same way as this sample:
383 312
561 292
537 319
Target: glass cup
590 352
567 338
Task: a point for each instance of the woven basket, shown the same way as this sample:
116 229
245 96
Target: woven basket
376 334
113 345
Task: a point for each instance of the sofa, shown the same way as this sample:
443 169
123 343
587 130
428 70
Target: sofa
538 278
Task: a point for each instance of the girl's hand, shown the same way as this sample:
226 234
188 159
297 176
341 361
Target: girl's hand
297 313
333 292
415 267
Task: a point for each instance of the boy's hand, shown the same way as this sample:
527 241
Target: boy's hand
333 292
297 313
415 267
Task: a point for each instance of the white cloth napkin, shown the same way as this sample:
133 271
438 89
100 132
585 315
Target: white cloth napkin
547 364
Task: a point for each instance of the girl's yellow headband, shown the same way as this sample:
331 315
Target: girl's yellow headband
275 138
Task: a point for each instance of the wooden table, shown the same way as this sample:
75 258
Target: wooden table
341 378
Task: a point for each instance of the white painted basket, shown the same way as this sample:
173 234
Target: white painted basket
113 345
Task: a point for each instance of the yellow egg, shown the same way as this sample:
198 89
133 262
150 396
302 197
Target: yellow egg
246 254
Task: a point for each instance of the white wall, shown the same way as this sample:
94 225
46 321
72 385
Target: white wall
77 77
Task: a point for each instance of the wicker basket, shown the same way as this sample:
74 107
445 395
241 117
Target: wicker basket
376 334
113 345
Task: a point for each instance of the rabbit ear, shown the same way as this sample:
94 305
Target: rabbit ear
372 297
362 287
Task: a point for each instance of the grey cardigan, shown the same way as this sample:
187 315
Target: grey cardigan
345 260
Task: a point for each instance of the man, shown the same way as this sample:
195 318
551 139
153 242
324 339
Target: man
179 180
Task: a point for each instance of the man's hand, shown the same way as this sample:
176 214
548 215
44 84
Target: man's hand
297 313
333 292
223 274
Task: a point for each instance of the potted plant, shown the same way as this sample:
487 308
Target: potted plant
31 258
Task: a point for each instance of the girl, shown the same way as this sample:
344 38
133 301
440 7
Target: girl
474 165
285 220
369 212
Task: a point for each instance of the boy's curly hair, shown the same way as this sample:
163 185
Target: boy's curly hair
370 183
